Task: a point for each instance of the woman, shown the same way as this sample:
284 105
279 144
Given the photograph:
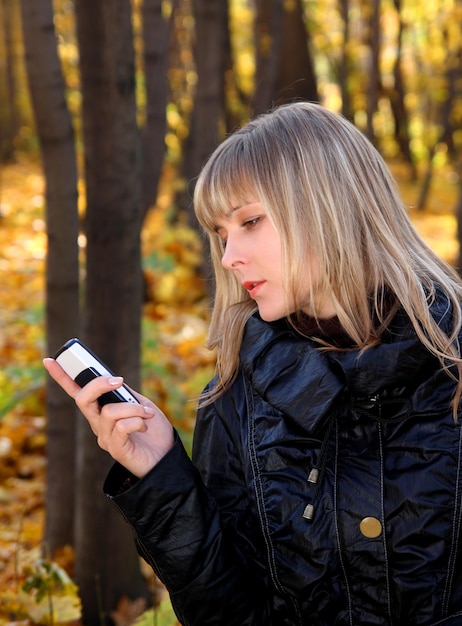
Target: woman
325 486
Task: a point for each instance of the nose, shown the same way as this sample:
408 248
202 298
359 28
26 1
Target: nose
232 255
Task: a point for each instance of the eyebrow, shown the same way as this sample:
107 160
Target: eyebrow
217 227
232 210
240 206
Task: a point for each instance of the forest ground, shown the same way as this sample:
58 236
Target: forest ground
175 363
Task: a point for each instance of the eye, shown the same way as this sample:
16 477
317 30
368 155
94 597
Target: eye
252 222
222 241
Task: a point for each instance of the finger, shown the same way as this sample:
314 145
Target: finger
83 395
130 425
98 386
116 411
60 376
117 422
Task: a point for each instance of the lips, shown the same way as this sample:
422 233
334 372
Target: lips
252 286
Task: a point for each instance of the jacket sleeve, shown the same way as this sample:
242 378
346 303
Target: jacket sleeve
180 532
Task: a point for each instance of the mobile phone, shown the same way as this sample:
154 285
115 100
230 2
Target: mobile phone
83 365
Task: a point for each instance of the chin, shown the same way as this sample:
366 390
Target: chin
271 316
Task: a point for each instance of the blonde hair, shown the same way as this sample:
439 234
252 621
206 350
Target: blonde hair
326 189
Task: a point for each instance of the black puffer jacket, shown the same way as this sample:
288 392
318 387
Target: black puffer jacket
326 490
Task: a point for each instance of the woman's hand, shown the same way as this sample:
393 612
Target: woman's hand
135 435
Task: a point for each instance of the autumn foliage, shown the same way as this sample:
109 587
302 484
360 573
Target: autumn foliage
175 367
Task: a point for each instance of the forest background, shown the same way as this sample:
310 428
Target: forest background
108 109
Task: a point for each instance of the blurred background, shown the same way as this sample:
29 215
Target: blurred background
108 110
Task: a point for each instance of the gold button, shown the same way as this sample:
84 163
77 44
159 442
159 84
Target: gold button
370 527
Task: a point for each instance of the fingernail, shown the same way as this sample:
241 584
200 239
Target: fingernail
115 380
148 410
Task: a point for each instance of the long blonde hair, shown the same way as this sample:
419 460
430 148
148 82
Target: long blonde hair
326 189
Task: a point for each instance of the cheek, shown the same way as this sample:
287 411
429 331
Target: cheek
302 281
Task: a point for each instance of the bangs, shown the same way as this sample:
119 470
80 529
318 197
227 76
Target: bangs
225 182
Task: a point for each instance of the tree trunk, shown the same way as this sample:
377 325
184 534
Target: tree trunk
445 115
211 21
345 62
284 67
156 35
107 565
9 118
397 98
296 78
373 91
268 37
56 135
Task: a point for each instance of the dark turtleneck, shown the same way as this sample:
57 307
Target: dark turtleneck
329 330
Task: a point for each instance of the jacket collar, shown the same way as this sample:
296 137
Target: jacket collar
292 374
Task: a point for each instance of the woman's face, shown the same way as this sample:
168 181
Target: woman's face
253 252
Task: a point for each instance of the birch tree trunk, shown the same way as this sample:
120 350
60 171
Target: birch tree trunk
56 135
